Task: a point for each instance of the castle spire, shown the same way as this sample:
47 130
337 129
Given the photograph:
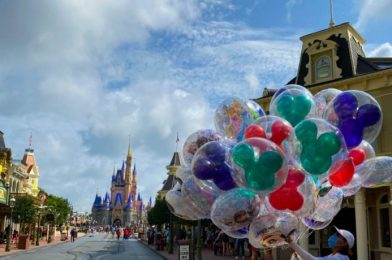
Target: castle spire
129 147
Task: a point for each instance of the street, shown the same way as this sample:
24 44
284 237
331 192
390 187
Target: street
101 246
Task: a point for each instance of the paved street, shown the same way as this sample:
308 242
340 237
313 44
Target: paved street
101 246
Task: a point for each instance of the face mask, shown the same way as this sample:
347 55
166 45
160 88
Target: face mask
332 241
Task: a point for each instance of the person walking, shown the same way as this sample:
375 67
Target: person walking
73 235
340 243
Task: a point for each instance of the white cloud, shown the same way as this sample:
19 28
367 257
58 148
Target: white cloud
290 4
368 9
383 50
83 76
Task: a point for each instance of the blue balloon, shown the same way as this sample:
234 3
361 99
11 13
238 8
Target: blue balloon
368 115
216 152
345 105
203 169
352 131
222 177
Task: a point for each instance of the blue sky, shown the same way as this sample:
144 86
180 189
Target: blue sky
84 75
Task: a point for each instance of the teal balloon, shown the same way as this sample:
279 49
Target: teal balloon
315 164
294 108
243 155
306 132
328 144
261 176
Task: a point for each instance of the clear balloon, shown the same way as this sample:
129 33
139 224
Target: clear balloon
263 165
212 162
183 172
297 195
322 99
318 146
357 115
240 233
203 201
197 140
255 109
294 104
262 228
235 209
376 171
231 118
289 87
178 207
329 202
315 224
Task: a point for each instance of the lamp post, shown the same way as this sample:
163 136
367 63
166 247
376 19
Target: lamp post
40 208
7 246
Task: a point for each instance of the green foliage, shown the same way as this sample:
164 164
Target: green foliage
159 214
24 211
60 207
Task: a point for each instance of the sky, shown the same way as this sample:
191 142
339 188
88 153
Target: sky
84 76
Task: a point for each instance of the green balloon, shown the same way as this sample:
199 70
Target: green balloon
328 144
243 155
306 132
294 108
315 164
261 176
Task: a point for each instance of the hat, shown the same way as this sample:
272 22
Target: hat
347 235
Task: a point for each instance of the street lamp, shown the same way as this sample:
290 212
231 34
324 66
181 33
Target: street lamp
12 205
40 208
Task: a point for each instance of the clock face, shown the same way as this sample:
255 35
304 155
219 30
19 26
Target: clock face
323 68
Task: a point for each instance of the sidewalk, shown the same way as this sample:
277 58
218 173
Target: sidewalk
42 243
207 254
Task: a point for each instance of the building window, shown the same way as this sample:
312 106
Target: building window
384 221
323 68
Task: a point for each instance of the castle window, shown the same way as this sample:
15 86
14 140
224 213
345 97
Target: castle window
323 68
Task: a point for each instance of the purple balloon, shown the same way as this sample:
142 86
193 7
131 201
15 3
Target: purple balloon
215 151
345 105
203 169
222 177
368 115
352 131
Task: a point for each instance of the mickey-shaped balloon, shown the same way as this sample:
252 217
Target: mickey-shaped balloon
321 145
357 115
262 162
211 162
273 128
293 104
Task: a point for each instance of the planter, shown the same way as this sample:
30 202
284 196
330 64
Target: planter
23 242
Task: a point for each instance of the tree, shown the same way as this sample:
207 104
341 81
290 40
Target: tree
60 207
24 211
159 214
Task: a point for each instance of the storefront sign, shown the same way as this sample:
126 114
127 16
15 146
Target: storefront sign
184 252
3 193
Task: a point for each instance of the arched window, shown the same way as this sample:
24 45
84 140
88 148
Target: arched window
17 187
323 68
383 211
14 186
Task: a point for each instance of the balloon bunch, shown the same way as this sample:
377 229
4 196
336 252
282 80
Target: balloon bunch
259 176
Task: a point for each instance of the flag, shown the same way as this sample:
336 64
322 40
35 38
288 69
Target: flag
178 139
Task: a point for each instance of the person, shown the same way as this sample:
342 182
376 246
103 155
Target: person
73 234
240 248
118 233
340 242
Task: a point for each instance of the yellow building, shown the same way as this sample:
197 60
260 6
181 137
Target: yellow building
335 58
172 168
24 175
5 164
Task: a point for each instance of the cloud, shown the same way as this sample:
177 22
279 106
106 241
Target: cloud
368 9
83 76
290 4
383 50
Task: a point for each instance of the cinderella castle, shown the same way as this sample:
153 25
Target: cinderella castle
122 207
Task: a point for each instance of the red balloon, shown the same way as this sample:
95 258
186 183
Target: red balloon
287 196
280 130
254 131
342 172
358 155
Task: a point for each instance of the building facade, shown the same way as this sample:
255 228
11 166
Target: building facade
171 180
122 206
335 58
